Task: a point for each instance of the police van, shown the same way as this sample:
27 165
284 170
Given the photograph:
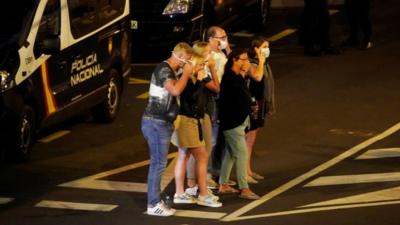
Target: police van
58 58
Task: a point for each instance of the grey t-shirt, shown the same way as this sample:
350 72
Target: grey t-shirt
162 105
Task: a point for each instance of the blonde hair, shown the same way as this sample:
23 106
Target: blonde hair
182 48
200 47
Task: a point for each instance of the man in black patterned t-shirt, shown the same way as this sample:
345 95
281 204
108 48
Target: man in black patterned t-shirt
158 118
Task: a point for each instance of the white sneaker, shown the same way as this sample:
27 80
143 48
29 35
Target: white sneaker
216 198
208 201
160 210
192 190
184 199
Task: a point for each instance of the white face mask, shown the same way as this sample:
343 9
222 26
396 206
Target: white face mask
223 44
265 52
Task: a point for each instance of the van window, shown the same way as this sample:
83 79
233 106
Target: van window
84 18
109 10
49 24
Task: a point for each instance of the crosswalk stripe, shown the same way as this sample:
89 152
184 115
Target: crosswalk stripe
281 34
354 179
237 215
390 194
5 200
138 81
199 214
76 206
143 96
54 136
380 153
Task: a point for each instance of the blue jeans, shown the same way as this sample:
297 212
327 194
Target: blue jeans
158 136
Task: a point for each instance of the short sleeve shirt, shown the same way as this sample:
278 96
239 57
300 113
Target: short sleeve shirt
161 102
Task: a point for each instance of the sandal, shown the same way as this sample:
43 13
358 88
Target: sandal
226 189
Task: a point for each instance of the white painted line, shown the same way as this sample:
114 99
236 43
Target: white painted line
243 34
354 179
328 208
282 34
390 194
108 185
76 206
54 136
143 96
380 153
298 180
199 214
94 182
5 200
333 11
144 64
138 81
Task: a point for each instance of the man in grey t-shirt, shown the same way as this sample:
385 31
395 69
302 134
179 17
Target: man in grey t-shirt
158 118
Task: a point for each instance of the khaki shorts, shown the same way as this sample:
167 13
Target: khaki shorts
188 132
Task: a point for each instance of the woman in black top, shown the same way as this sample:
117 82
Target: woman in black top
234 113
263 95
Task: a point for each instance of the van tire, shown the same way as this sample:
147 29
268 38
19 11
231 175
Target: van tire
23 136
106 111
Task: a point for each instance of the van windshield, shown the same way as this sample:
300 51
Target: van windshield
15 17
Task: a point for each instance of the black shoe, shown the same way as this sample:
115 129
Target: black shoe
331 51
312 52
366 45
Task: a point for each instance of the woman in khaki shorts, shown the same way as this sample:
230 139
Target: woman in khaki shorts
191 137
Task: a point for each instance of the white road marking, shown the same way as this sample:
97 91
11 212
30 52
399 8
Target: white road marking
298 180
94 182
5 200
380 153
390 194
328 208
54 136
138 81
144 64
143 96
243 34
199 214
281 34
354 179
76 206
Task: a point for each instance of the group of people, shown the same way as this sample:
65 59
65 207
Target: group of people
316 23
208 100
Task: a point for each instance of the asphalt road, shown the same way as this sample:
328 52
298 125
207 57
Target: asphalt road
330 155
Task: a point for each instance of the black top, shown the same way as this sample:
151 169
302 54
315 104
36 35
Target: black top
234 101
194 99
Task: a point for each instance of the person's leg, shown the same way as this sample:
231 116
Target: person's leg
157 135
235 140
201 158
180 166
191 171
365 20
352 18
250 139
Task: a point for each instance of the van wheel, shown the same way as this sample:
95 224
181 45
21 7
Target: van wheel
263 13
24 134
107 110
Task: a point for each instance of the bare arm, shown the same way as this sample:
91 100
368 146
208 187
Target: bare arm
213 85
257 71
175 87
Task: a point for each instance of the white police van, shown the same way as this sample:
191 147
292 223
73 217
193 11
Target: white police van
57 58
